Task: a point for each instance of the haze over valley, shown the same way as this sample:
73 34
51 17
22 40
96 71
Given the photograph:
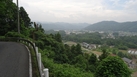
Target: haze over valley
99 26
64 26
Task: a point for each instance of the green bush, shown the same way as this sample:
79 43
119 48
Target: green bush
14 34
2 38
112 66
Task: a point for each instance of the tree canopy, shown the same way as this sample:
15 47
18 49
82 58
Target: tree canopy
112 66
8 18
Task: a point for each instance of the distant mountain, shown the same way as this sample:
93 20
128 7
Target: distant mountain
113 26
64 26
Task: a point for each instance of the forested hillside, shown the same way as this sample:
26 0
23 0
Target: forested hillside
113 26
61 59
8 18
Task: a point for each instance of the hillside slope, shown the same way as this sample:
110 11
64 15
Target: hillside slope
113 26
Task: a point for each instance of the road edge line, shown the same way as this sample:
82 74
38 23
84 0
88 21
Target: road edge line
30 62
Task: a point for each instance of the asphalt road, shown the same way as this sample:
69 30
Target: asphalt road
14 60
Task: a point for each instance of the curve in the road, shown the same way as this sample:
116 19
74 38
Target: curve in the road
14 60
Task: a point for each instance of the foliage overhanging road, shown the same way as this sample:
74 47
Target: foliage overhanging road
14 60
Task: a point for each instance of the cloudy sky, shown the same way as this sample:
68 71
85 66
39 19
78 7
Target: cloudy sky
80 11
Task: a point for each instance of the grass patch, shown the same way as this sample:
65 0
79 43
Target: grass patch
70 43
123 51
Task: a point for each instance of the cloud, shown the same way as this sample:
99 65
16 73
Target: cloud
76 11
131 5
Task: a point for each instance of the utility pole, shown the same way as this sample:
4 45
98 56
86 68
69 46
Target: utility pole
18 17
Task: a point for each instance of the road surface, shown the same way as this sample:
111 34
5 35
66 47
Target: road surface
14 60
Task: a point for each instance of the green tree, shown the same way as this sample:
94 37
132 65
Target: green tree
120 54
80 62
24 17
8 16
93 59
78 49
92 63
41 29
114 51
58 37
103 55
72 55
112 66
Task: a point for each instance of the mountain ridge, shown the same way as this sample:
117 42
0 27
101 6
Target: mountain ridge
113 26
64 26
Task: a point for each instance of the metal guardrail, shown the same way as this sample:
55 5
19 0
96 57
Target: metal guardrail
43 71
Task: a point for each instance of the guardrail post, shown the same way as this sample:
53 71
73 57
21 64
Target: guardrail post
36 51
34 44
46 72
39 60
29 44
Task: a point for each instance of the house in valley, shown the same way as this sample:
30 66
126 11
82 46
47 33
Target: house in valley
130 63
132 51
89 46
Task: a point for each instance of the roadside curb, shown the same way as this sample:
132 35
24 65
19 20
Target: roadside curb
30 63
